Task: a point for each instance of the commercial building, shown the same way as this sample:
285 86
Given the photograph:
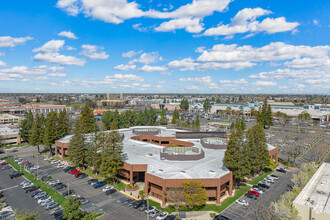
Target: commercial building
313 202
9 135
114 103
35 108
165 158
8 119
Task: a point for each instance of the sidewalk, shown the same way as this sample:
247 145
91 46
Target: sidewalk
201 215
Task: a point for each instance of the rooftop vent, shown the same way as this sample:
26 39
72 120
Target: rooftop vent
160 170
149 155
182 171
211 171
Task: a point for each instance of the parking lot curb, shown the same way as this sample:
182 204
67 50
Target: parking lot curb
129 195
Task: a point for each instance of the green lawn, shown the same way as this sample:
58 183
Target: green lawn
43 186
119 186
209 207
256 180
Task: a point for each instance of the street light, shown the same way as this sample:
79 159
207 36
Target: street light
147 206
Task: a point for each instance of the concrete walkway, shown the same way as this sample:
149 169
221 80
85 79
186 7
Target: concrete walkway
202 215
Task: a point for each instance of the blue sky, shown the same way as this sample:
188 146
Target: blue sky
201 46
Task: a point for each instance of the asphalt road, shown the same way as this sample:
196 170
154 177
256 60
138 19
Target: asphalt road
111 205
16 197
282 185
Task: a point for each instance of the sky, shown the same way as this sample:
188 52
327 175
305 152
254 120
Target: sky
157 46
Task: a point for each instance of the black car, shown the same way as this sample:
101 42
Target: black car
66 193
282 170
15 174
66 169
5 167
110 191
31 188
221 217
58 213
251 196
137 204
35 193
82 176
1 195
59 186
263 185
259 188
92 181
69 170
170 217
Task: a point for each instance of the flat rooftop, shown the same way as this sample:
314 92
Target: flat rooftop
5 130
316 193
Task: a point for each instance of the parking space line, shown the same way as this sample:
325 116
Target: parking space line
9 188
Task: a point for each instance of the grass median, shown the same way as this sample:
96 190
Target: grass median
256 180
43 186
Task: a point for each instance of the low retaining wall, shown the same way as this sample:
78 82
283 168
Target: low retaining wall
199 135
213 146
182 157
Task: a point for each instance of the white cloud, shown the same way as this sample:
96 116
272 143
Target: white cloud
57 74
124 67
7 41
123 78
50 46
140 28
148 68
2 63
60 59
94 52
203 79
70 6
67 34
191 25
70 48
2 54
265 83
147 58
306 62
183 65
131 53
245 21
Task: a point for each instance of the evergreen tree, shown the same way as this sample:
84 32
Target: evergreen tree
163 119
35 132
257 149
207 105
26 125
184 105
77 151
114 125
197 123
264 115
50 135
72 210
87 120
176 116
188 123
112 155
63 127
93 156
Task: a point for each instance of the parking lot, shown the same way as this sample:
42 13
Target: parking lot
111 205
16 197
282 185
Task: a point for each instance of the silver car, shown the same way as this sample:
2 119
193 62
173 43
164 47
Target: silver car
52 205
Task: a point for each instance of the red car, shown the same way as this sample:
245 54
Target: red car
74 171
78 174
24 162
254 192
3 163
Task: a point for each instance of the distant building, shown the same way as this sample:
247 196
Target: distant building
35 108
313 202
169 107
9 135
114 103
8 119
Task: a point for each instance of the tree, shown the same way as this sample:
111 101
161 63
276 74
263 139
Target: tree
72 209
112 155
63 125
77 151
257 151
35 137
163 119
175 116
261 212
50 135
175 195
20 215
194 193
87 120
207 105
264 115
197 123
26 125
184 105
304 116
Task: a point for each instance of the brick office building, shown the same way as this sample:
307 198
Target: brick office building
164 158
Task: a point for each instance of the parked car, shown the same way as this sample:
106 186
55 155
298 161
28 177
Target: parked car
4 214
110 191
257 190
66 169
24 182
52 205
143 207
263 185
78 174
39 195
170 217
44 199
83 201
35 193
54 182
107 188
82 176
90 181
61 165
154 213
274 176
220 217
242 202
137 204
162 216
99 184
27 185
66 193
18 160
52 212
269 180
58 213
59 186
6 167
48 158
46 203
54 161
152 208
282 170
251 196
3 163
35 167
31 188
253 192
15 174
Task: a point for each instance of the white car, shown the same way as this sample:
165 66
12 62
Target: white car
55 162
44 200
21 162
24 182
47 158
269 180
242 202
61 165
35 167
27 185
153 208
18 160
162 216
54 182
47 202
257 190
107 188
275 177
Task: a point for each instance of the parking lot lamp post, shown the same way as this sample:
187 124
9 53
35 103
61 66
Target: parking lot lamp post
37 165
68 188
147 206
